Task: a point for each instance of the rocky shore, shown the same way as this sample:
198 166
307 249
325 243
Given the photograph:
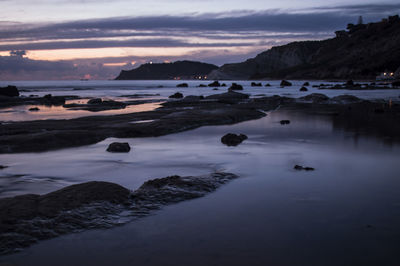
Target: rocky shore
26 219
191 112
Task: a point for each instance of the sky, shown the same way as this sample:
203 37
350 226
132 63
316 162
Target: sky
96 39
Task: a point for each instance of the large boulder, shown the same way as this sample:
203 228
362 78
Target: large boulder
119 147
303 89
10 91
231 139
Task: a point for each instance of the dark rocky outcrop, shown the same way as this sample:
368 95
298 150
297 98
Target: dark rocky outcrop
26 219
303 89
214 84
285 83
362 52
96 105
284 122
9 91
95 101
3 167
182 85
231 139
156 71
255 84
299 168
306 84
176 95
119 147
315 98
235 87
34 109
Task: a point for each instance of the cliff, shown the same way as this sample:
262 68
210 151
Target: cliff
179 69
361 52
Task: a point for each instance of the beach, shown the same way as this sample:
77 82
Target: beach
345 212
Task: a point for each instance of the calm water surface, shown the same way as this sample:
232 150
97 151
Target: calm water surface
346 212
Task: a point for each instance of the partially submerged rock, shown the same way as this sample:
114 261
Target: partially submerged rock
28 218
214 84
284 122
299 168
235 87
303 89
182 85
254 84
176 95
315 98
345 99
119 147
95 101
285 83
9 91
3 167
96 105
231 139
34 109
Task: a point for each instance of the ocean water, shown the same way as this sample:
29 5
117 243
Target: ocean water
159 90
346 212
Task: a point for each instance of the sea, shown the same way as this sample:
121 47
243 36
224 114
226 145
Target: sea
346 212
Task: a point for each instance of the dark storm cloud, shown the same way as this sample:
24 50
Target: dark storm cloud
15 64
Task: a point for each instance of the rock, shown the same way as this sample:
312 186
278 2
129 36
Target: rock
254 84
97 105
48 99
299 168
223 85
193 98
34 109
3 167
29 218
267 85
95 101
202 86
215 89
10 91
306 84
214 84
345 99
285 122
176 95
182 85
119 147
349 83
235 87
233 139
303 89
315 98
285 83
228 95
